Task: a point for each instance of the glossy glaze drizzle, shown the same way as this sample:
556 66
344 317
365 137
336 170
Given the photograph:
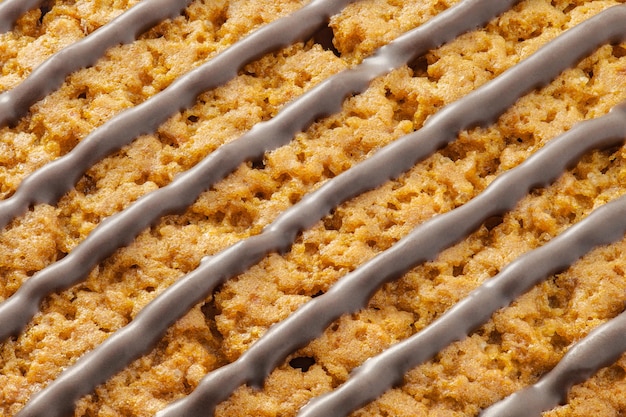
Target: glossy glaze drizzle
605 225
51 74
480 107
578 364
326 98
11 10
352 292
49 183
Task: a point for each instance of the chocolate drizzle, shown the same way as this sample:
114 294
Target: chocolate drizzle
480 107
11 10
119 230
49 183
49 76
352 292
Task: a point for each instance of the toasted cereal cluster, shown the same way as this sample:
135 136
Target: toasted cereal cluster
518 345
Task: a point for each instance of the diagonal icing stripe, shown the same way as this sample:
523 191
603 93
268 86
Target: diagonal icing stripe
119 229
352 292
605 225
50 75
49 183
480 107
11 10
600 348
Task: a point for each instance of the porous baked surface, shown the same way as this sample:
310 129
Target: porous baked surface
518 345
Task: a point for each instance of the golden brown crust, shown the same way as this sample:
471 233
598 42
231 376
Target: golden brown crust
517 346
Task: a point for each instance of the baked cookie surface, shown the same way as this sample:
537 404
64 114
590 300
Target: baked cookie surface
512 350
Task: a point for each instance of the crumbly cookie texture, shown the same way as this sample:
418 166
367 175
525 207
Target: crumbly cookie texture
517 346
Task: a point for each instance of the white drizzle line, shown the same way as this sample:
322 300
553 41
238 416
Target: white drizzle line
428 239
51 74
177 299
602 347
119 229
11 10
603 226
352 292
50 182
